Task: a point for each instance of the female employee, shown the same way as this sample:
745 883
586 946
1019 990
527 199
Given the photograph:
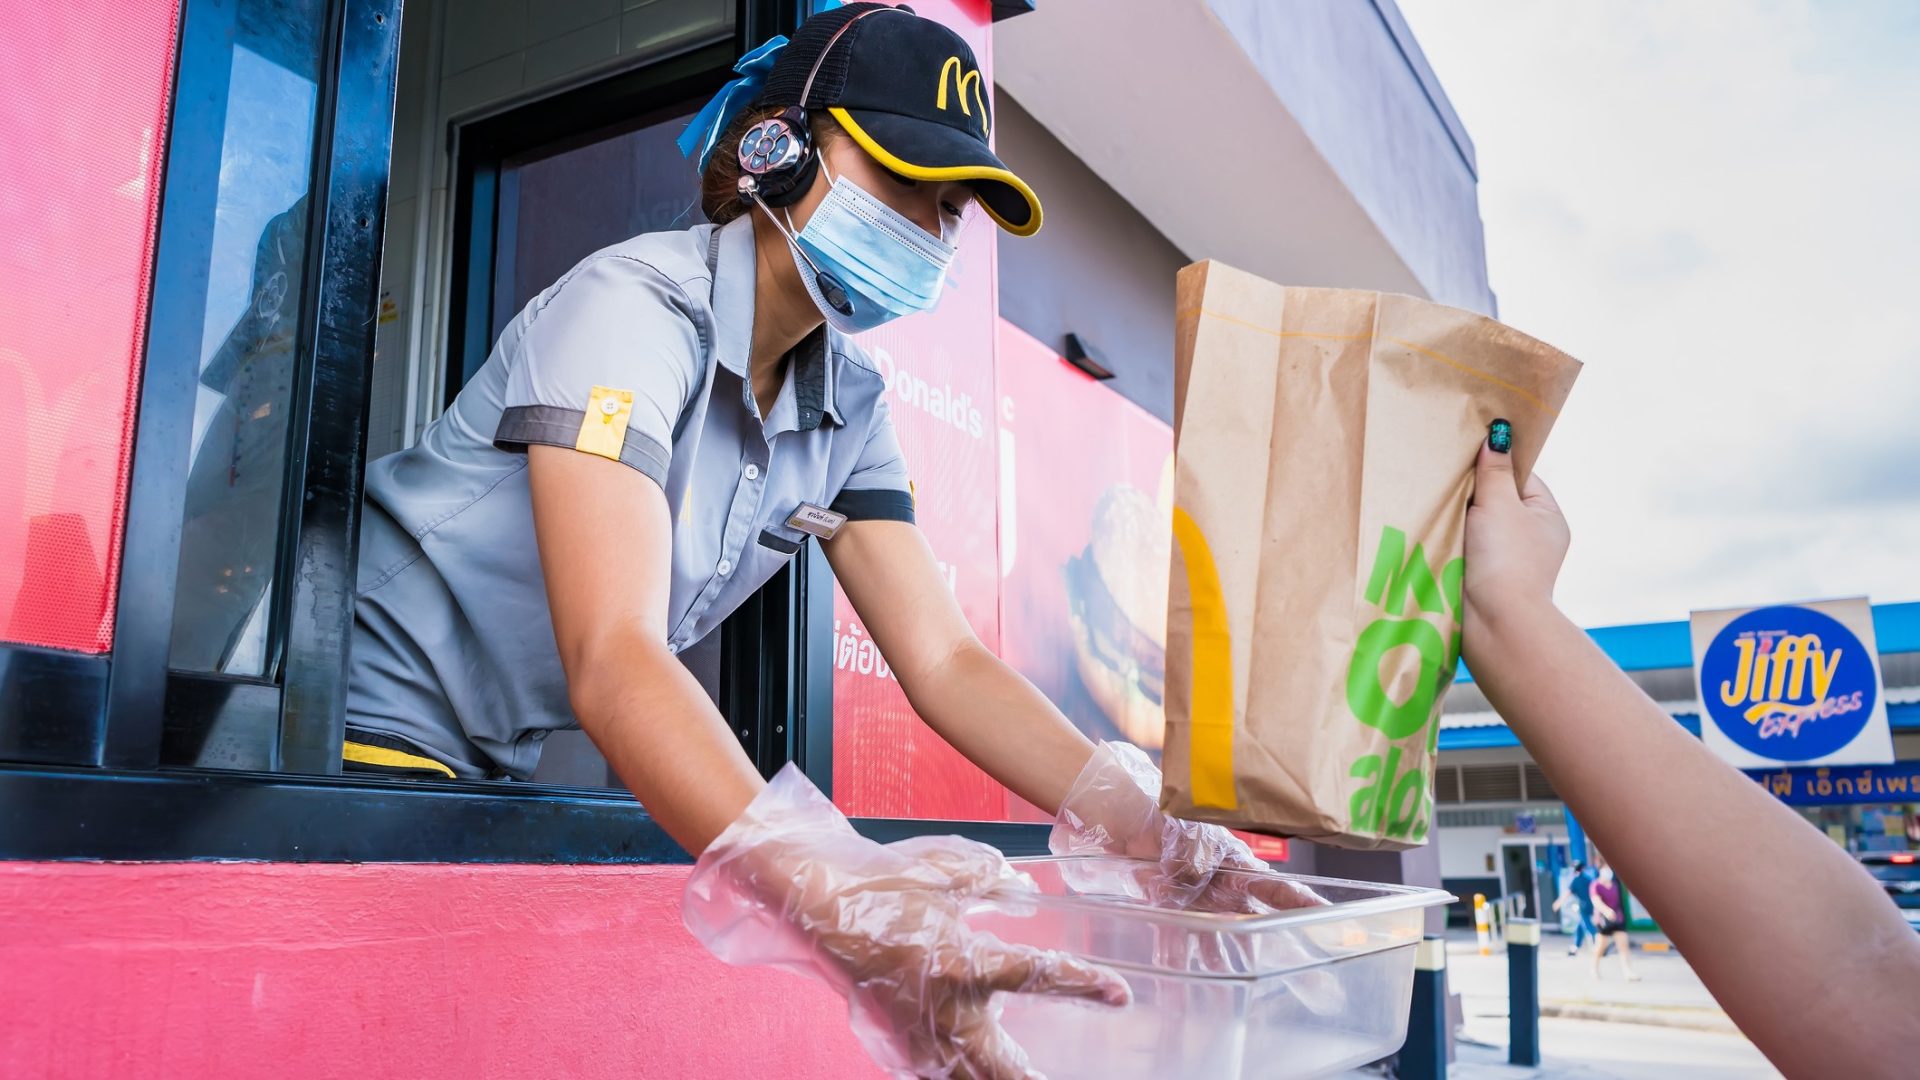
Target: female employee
651 438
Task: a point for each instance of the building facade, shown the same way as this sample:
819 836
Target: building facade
1504 832
303 222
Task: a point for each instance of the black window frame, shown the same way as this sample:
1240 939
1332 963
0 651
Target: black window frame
116 756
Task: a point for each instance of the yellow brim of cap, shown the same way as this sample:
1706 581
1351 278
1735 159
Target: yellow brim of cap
948 172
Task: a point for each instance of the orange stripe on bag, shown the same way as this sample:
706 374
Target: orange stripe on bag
1210 755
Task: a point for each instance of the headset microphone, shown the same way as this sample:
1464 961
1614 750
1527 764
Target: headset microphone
831 290
778 161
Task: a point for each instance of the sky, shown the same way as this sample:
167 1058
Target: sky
1716 206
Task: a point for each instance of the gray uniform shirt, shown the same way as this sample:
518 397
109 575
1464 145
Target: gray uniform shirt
453 648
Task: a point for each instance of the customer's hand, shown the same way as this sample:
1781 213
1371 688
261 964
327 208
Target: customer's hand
792 885
1113 809
1516 541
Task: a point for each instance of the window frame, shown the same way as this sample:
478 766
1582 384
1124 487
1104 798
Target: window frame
116 756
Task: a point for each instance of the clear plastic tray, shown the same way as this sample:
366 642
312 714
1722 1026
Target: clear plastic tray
1295 993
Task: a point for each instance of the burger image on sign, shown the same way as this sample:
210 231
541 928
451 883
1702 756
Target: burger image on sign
1117 589
1792 684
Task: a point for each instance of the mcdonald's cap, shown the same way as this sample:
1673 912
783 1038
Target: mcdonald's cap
910 92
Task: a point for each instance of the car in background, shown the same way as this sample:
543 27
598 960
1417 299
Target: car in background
1899 873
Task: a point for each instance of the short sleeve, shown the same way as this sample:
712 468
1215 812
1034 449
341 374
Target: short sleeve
613 323
879 489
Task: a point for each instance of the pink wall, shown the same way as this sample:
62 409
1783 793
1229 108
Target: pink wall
86 109
291 971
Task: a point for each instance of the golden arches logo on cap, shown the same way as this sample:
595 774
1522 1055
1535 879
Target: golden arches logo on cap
962 82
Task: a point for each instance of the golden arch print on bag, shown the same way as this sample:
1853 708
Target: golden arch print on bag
1324 443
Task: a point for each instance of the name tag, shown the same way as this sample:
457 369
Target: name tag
817 520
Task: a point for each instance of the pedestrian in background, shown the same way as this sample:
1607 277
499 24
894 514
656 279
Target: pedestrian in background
1605 894
1577 895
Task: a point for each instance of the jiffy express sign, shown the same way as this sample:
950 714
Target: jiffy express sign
1791 684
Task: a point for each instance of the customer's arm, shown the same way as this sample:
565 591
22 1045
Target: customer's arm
1795 939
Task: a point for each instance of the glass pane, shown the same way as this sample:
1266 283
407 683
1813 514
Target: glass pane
558 209
231 531
554 211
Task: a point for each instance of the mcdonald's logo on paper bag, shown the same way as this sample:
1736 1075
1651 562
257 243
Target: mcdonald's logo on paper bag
1324 444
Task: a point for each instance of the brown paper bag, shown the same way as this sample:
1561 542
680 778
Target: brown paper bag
1324 442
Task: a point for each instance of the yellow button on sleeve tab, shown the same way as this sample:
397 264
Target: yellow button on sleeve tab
603 430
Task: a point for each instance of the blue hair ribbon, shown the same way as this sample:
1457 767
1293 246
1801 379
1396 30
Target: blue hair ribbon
704 130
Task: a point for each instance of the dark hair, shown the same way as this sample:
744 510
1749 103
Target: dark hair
1580 867
720 184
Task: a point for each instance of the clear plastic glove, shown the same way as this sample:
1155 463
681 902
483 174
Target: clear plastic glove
1113 808
792 885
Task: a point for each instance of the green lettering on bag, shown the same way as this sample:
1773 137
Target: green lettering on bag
1370 701
1397 572
1388 801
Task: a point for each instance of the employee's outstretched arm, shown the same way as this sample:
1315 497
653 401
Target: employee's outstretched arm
606 551
1795 939
988 711
1105 798
783 878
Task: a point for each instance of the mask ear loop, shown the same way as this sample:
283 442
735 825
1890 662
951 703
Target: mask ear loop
831 290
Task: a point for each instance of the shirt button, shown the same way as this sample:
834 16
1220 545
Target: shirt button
753 472
609 406
725 567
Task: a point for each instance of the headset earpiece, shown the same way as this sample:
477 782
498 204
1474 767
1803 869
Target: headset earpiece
778 161
778 155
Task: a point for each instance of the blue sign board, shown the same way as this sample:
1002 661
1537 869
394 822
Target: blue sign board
1788 683
1840 784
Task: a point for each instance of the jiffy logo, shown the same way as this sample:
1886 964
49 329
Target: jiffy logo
1402 663
1788 683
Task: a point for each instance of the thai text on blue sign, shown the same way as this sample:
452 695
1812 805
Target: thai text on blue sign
1895 783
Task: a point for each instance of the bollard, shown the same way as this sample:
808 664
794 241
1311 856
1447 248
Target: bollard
1523 992
1424 1055
1481 925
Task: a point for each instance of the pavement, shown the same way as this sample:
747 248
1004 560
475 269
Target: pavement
1665 1024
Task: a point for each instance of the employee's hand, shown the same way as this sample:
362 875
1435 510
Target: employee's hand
791 884
1516 540
1113 809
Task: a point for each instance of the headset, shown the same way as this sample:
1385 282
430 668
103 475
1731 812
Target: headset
778 161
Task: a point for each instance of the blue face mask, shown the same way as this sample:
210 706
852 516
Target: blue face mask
888 265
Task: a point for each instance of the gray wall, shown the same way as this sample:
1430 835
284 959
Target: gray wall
1351 72
1096 267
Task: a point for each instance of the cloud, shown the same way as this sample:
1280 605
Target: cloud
1666 255
1711 203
